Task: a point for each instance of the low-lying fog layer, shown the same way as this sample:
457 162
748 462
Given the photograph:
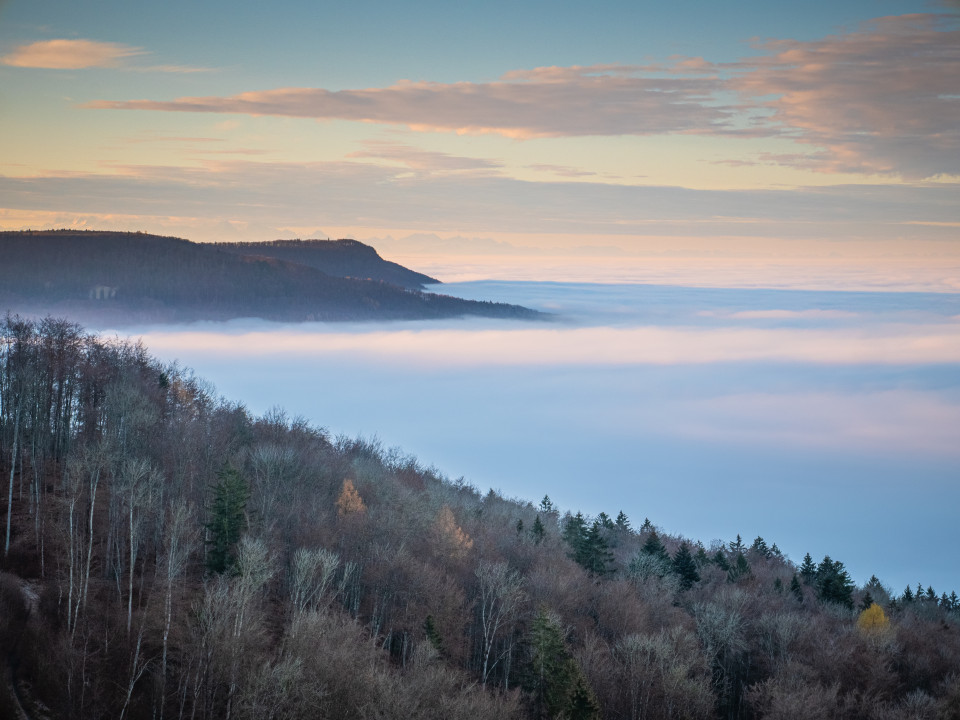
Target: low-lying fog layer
826 422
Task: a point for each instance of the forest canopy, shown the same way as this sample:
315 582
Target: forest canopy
167 554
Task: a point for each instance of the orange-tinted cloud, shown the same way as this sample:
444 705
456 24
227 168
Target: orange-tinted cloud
884 99
546 102
70 54
80 54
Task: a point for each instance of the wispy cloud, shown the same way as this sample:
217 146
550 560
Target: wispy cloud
428 161
62 54
880 100
70 54
545 102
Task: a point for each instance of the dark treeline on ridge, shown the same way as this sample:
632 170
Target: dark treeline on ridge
123 278
341 258
168 555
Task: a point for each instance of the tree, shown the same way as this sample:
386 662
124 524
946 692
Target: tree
808 570
796 588
653 546
538 531
594 553
685 568
228 519
873 621
739 569
349 502
833 583
500 595
546 505
623 522
553 677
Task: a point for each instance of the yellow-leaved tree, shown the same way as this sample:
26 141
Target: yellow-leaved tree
873 621
449 536
350 502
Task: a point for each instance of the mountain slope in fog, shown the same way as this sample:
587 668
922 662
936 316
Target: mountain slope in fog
137 277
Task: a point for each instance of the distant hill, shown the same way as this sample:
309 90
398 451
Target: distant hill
136 277
340 258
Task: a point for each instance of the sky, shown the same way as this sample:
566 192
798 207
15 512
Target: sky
814 131
746 217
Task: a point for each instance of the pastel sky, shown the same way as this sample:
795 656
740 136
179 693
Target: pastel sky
825 130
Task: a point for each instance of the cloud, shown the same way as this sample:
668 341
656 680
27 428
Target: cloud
427 161
70 54
898 345
63 54
545 102
882 99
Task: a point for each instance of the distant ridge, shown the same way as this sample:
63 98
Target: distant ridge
119 278
340 258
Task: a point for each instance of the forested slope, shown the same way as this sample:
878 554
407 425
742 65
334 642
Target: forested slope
341 258
169 555
135 277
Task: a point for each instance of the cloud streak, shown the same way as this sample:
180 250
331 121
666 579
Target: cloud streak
546 102
63 54
70 55
883 99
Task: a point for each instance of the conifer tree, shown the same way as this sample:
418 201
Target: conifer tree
737 545
739 569
605 521
654 547
433 635
685 567
833 583
574 533
808 570
546 505
760 546
227 519
623 522
520 526
867 600
720 560
908 595
796 588
594 553
647 525
538 531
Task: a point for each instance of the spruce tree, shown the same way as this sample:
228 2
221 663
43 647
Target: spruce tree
594 553
538 531
647 525
227 519
546 505
908 595
685 567
760 546
833 583
433 635
739 569
654 547
720 560
796 588
520 526
574 533
808 570
867 600
623 522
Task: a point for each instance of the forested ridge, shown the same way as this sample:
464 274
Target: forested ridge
166 554
342 258
119 278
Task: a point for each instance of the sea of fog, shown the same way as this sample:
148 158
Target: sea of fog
827 422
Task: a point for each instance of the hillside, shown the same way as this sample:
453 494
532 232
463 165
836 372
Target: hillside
134 277
340 258
169 555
